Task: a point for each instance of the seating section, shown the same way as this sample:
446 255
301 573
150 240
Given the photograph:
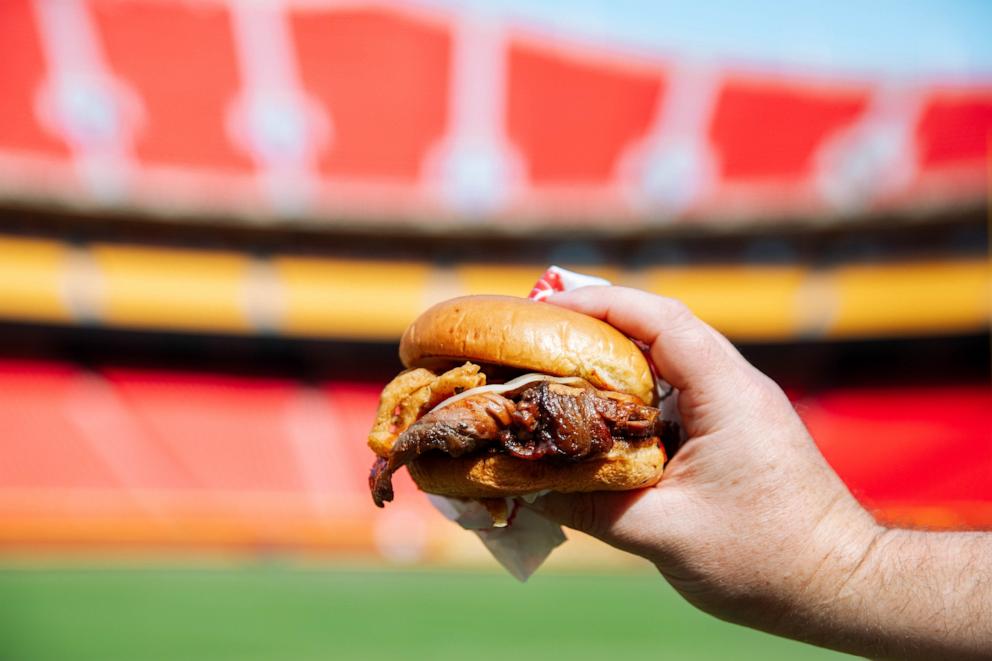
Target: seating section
230 292
126 456
344 114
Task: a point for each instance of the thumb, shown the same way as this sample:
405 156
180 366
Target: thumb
623 519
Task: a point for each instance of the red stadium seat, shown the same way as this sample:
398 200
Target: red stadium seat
767 130
150 46
572 117
22 75
955 129
383 79
228 433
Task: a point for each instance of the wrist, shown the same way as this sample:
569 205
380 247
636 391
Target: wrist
846 543
828 573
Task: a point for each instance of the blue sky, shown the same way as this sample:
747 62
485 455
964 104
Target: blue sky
925 38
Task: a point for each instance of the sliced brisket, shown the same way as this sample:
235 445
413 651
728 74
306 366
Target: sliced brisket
546 420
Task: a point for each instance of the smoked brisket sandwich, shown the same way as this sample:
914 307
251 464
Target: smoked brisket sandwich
506 397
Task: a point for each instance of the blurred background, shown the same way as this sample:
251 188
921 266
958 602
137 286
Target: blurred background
216 218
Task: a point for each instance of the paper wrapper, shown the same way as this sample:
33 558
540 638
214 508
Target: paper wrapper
557 279
527 538
520 547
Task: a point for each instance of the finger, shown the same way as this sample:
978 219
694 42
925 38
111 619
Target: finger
728 346
688 353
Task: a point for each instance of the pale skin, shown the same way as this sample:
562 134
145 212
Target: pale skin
751 525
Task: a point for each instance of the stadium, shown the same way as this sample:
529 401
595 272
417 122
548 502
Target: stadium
217 218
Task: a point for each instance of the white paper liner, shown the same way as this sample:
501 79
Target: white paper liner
520 547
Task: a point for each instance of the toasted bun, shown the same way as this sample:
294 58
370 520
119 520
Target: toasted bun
530 336
625 467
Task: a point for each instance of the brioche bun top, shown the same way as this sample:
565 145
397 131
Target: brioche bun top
530 336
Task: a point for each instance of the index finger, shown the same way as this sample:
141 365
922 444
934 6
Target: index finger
687 352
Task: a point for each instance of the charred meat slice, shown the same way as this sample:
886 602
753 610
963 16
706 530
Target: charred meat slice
463 427
568 424
546 420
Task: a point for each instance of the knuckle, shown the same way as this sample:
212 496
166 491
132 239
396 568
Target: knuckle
675 310
769 400
770 392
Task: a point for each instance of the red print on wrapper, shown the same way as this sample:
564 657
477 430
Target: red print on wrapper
556 279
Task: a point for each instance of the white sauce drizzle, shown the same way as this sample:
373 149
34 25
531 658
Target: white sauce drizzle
514 384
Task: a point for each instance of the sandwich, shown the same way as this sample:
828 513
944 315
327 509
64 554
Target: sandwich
507 397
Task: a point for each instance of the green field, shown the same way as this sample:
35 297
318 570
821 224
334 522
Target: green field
285 613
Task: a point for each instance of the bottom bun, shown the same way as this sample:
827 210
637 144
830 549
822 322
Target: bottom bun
497 475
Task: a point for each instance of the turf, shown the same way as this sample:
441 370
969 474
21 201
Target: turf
282 613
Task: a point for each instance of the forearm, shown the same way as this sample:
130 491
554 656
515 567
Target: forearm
751 524
929 592
912 595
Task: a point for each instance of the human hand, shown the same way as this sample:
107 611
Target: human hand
749 522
